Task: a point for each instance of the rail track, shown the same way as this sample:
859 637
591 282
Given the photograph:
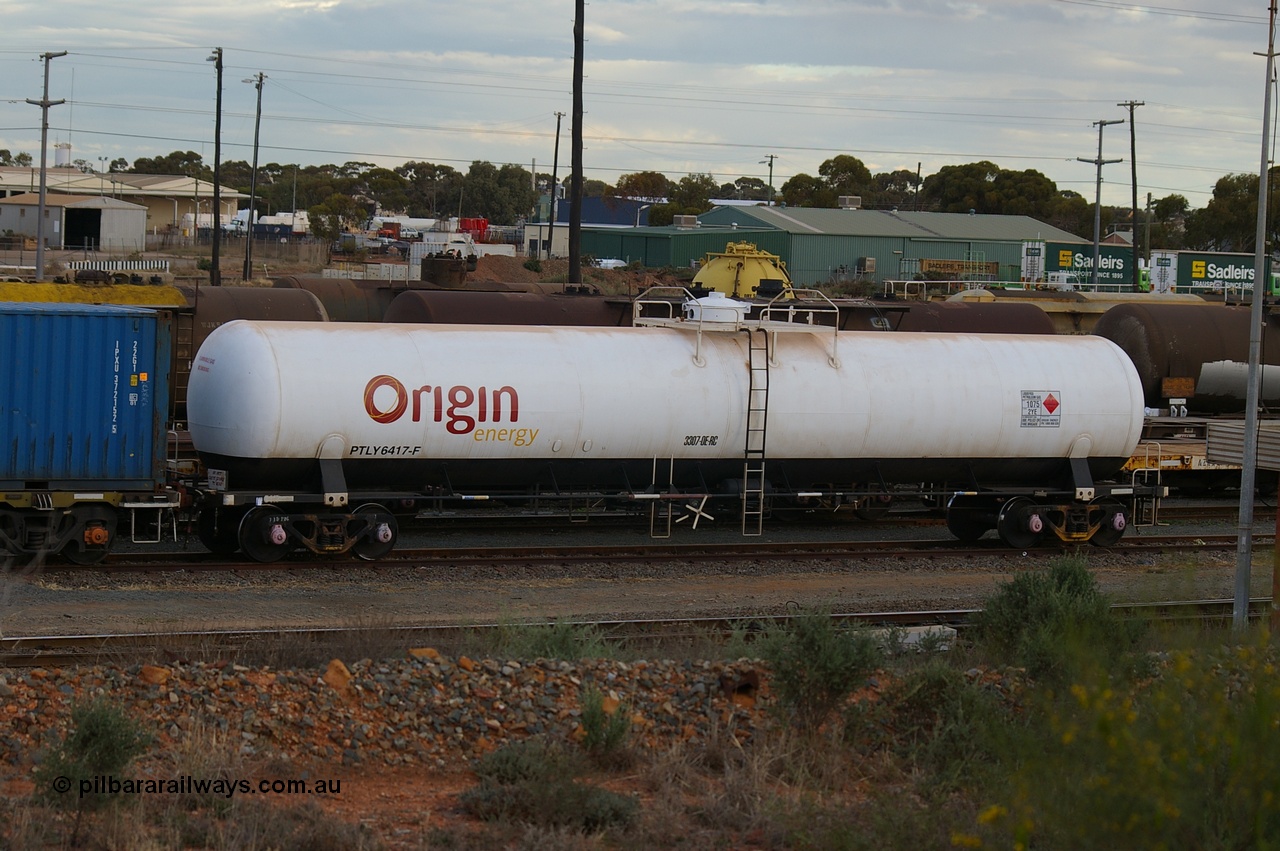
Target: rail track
758 551
54 651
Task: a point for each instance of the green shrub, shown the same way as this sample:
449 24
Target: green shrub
1191 760
533 782
816 666
933 717
605 735
102 742
533 264
559 640
1053 623
534 760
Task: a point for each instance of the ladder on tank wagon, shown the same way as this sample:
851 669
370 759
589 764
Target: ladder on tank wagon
753 497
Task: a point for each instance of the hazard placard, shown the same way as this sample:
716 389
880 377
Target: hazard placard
1041 409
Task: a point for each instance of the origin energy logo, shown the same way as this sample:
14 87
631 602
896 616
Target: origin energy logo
459 407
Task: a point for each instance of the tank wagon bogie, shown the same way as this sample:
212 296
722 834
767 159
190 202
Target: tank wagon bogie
742 416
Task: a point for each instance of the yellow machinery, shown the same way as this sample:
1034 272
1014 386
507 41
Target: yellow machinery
743 271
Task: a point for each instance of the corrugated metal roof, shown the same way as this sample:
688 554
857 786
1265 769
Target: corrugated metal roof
54 200
889 223
1226 444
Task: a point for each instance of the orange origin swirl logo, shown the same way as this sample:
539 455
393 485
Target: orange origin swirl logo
402 399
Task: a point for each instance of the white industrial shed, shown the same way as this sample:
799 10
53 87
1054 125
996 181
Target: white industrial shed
77 221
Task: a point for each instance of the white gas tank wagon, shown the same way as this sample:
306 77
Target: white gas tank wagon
298 421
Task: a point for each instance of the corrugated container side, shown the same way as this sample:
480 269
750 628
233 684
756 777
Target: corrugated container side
83 396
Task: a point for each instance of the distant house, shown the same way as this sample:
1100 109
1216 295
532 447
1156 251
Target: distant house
167 198
596 213
77 221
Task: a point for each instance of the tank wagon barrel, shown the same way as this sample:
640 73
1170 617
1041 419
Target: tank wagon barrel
1198 354
1014 429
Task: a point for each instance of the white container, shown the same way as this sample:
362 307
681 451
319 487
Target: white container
715 307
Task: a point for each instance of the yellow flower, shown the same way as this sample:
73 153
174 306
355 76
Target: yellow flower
992 813
965 840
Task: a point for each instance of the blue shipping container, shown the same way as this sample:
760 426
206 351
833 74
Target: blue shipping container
83 396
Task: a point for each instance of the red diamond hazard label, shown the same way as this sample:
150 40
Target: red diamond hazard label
1050 403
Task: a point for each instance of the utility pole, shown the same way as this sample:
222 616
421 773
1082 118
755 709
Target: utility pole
769 158
1131 105
215 270
555 189
1146 242
44 103
256 79
1097 202
575 180
1249 459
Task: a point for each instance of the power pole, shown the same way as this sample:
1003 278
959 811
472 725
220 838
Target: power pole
215 270
1249 454
769 158
1097 202
256 79
1133 167
575 180
555 189
44 103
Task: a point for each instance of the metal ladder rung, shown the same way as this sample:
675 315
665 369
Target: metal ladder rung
753 499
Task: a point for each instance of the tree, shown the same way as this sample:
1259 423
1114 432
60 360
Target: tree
805 190
500 194
845 175
1229 221
893 189
335 216
751 189
187 163
431 188
693 193
19 160
389 190
650 186
595 189
119 164
963 188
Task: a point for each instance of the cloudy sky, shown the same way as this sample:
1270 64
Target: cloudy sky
677 86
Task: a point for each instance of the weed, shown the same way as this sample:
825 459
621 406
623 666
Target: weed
1053 623
816 666
934 718
605 733
559 640
102 743
533 782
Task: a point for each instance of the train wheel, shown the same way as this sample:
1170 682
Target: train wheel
967 524
219 530
1020 524
873 507
381 532
95 533
263 536
1114 522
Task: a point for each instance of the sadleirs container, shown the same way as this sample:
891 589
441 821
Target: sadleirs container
83 397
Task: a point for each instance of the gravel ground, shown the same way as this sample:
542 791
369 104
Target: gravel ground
69 602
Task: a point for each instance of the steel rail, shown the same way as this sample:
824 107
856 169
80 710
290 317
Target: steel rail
69 650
